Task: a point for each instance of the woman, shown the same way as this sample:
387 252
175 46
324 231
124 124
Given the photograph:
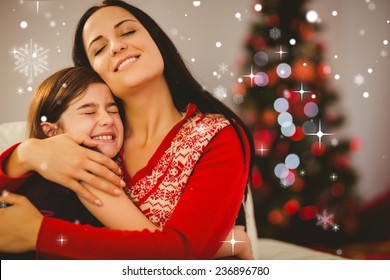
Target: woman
181 146
76 100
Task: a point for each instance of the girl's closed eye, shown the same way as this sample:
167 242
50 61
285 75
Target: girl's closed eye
112 108
88 113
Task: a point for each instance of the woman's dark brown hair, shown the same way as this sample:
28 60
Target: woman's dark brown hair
183 86
54 95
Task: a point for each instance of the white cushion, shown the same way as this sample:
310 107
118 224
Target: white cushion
11 133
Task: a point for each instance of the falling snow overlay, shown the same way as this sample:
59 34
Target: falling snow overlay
319 134
62 240
220 92
233 242
325 220
302 91
358 79
281 52
275 33
19 91
30 60
333 177
3 204
223 68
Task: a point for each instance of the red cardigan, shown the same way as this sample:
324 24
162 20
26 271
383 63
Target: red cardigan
201 219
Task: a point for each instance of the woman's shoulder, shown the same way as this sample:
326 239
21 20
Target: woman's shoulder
212 126
201 122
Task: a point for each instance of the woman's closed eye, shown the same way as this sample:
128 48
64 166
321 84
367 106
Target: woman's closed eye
128 33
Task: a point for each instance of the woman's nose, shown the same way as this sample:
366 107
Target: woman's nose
117 46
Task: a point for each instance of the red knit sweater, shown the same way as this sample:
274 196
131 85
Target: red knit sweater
200 220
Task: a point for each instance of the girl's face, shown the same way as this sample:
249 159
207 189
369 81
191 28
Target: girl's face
121 50
96 114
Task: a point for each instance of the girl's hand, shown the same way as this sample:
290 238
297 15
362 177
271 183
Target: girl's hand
62 160
19 223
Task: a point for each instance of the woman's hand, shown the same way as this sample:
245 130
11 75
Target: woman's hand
62 160
19 223
241 246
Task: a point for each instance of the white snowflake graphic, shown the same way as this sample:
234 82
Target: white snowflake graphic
275 33
334 142
220 92
383 53
48 15
30 60
358 79
325 220
238 99
223 68
3 204
362 32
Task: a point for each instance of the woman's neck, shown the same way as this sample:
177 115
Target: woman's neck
150 114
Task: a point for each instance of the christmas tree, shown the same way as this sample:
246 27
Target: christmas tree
302 180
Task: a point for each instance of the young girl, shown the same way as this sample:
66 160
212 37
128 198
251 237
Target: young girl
76 101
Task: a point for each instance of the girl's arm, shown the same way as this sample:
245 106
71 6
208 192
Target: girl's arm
6 182
117 212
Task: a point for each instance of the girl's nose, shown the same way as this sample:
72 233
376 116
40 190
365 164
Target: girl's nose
106 119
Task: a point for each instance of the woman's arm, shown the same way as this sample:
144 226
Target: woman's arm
62 160
202 218
121 213
21 212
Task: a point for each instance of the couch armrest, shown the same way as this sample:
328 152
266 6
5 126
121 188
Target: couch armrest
11 133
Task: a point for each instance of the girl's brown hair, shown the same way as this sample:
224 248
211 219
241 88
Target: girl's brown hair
54 95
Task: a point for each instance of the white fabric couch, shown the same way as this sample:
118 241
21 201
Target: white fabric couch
263 248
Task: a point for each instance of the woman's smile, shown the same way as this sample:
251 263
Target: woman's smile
125 62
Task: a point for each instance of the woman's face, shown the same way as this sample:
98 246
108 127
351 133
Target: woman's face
121 50
96 114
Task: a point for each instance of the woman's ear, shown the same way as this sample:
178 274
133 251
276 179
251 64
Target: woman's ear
50 129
